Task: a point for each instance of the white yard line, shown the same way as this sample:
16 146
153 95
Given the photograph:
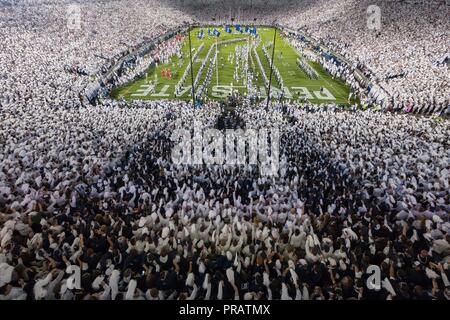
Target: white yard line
336 91
227 85
217 64
321 78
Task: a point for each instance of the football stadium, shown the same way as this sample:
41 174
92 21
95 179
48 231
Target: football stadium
238 59
217 151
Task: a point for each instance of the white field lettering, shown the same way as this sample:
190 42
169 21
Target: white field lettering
223 91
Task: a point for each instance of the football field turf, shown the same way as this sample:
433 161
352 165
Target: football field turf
228 73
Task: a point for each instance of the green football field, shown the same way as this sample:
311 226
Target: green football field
229 71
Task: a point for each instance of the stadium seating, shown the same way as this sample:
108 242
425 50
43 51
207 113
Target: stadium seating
94 185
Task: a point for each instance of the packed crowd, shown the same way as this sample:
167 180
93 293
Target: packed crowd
406 56
40 38
354 189
96 187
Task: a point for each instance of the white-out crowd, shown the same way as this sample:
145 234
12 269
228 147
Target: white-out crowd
95 187
405 55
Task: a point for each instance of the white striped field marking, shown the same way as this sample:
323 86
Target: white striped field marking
337 92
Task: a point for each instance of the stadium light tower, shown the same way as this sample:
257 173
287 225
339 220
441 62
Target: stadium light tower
271 66
192 70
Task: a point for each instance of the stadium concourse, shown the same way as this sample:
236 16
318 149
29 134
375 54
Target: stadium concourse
94 186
